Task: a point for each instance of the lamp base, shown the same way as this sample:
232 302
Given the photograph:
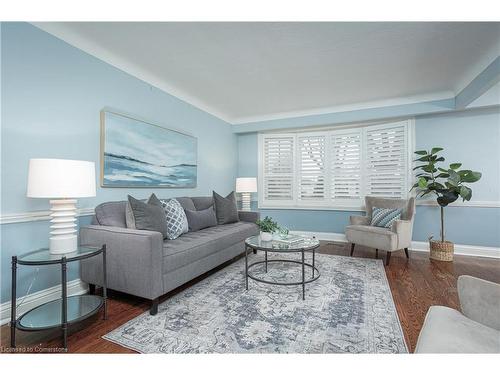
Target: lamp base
245 201
63 233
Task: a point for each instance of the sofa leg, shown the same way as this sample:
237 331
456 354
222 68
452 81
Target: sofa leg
352 249
406 252
154 307
255 251
92 289
376 253
387 258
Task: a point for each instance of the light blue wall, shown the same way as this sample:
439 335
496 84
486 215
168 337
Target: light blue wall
471 137
51 97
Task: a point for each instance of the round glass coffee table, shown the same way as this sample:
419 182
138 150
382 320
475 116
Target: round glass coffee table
306 244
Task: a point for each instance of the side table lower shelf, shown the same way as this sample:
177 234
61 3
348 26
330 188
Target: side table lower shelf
48 315
63 311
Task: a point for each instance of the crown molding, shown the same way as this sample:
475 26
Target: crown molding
345 108
60 31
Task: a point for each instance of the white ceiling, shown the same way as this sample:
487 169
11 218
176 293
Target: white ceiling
244 72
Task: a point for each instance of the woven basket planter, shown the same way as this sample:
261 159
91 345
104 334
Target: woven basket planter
442 251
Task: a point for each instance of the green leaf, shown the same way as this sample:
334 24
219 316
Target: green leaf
465 193
421 152
424 158
435 150
422 183
470 176
443 175
443 170
435 186
454 178
439 159
429 168
455 165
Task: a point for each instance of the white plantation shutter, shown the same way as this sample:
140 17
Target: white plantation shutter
336 168
278 173
386 160
345 165
311 167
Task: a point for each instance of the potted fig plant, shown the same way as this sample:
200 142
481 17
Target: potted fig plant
447 185
267 228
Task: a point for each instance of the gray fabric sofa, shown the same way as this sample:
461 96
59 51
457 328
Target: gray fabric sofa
141 263
475 330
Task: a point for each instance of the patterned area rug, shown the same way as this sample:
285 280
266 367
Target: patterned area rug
349 309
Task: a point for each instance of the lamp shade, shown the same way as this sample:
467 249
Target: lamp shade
246 185
60 178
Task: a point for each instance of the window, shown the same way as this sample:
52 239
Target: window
335 168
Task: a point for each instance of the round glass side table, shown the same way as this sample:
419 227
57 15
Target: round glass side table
62 311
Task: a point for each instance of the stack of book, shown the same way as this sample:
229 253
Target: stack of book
291 239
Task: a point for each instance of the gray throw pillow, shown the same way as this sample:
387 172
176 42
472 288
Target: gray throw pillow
226 208
129 215
148 216
201 219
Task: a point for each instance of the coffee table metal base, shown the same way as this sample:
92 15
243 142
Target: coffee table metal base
303 282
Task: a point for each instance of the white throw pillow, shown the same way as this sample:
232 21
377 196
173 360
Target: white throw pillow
177 223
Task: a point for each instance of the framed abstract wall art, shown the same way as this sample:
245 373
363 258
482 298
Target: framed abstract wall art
139 154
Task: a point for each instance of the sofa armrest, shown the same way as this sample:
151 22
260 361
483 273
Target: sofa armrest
480 300
404 230
359 220
249 216
133 259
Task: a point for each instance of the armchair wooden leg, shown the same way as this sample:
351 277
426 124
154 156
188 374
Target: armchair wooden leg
92 289
406 252
352 249
154 307
387 258
376 253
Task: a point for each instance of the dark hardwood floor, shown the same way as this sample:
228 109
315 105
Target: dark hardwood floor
416 284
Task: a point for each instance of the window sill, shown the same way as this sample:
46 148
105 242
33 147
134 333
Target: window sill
310 208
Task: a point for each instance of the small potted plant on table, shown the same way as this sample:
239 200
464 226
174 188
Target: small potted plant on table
447 185
267 228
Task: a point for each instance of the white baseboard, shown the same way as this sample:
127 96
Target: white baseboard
470 250
75 287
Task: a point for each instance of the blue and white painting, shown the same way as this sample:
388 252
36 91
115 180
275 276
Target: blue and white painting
138 154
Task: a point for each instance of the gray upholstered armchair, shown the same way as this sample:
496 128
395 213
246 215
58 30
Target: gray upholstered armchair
398 237
474 330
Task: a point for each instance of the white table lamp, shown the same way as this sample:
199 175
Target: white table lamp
246 186
62 180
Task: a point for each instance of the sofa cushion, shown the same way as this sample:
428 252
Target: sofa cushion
226 209
129 213
148 216
197 245
198 220
202 203
378 238
186 203
111 214
446 330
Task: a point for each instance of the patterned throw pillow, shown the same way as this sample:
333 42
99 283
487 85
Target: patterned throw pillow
177 223
384 217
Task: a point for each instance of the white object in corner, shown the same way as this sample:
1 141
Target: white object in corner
246 186
62 179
